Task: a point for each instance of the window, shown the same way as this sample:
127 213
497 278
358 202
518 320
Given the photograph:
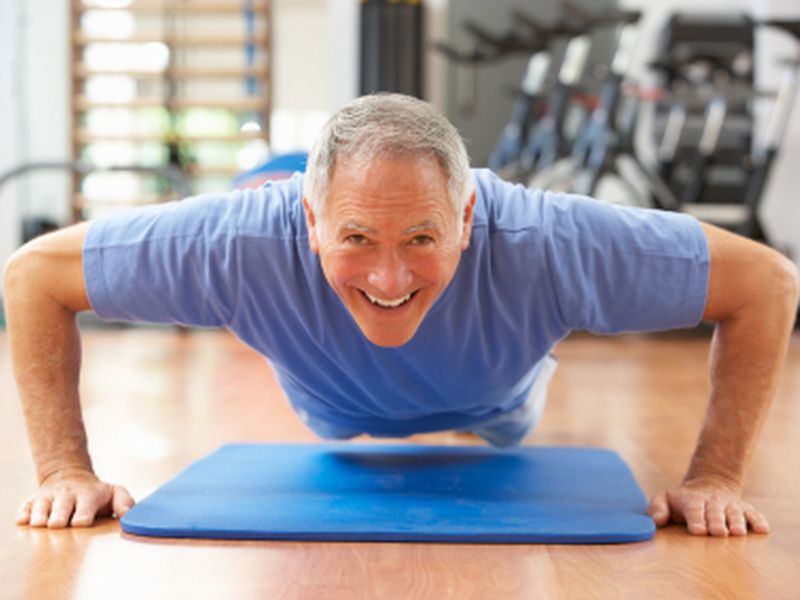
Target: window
167 90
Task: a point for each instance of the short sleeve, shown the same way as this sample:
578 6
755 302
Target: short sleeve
170 263
616 269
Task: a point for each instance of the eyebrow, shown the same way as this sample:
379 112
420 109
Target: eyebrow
354 226
424 226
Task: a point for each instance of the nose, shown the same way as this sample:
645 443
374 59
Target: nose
390 275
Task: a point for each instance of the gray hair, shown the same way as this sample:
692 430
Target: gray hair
388 125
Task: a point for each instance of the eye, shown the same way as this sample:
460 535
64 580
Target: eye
356 239
421 240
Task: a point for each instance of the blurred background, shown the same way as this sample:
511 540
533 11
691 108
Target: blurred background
106 104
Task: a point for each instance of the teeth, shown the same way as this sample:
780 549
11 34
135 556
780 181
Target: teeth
388 303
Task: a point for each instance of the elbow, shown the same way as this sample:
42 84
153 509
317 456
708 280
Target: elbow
25 271
17 274
795 277
785 283
48 269
13 272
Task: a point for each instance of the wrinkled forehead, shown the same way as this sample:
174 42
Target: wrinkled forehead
394 217
393 186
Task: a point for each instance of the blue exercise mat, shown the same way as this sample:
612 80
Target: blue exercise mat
365 492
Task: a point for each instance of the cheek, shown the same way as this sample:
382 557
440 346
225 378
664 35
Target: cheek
436 268
340 268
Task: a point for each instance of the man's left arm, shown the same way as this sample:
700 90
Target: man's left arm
752 296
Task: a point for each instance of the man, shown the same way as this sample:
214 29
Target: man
394 292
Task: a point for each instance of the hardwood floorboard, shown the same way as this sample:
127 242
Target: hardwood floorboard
156 400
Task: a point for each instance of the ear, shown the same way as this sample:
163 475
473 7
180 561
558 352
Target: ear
311 223
467 230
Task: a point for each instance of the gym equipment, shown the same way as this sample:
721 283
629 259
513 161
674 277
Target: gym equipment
601 138
514 135
676 120
367 492
391 46
708 128
764 157
489 47
736 208
553 93
546 140
171 173
282 166
709 139
591 145
709 160
604 144
174 175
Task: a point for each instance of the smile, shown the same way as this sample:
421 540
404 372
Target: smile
387 303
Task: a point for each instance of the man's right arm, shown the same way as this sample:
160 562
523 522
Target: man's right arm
44 288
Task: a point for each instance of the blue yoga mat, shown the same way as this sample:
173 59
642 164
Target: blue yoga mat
365 492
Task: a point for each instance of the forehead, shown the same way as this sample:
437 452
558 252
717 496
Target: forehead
396 188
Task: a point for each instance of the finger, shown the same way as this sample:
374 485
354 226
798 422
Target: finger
715 518
758 522
24 513
659 509
85 510
737 524
61 510
122 501
40 511
695 515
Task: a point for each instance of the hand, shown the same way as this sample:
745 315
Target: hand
708 507
73 497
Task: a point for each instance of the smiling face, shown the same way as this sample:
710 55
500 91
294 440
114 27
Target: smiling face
389 242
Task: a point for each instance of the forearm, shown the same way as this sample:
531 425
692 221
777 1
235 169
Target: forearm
752 296
45 350
747 355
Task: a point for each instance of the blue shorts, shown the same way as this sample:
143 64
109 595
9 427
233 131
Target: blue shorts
508 429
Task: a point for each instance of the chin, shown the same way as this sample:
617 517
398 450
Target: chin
389 339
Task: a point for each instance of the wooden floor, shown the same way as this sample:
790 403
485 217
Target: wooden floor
156 400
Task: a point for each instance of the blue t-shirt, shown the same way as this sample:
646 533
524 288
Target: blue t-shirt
538 266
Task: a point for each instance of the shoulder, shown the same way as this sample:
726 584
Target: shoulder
528 228
272 210
501 205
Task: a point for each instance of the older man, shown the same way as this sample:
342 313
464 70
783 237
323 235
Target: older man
394 292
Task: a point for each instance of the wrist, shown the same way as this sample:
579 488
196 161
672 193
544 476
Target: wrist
716 477
65 470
